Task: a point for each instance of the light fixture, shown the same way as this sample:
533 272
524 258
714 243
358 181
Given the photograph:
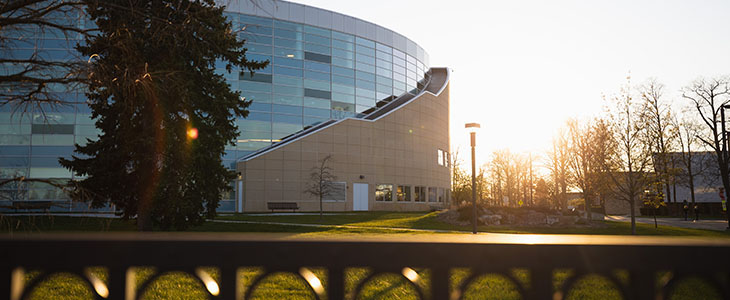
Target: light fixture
472 127
290 55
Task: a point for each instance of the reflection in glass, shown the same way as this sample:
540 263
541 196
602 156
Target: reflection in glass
384 192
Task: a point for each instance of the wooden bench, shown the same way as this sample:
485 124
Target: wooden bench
282 205
44 205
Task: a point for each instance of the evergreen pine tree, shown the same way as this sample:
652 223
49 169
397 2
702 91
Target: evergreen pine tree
152 82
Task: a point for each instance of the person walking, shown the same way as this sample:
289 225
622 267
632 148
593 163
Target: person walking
685 207
697 212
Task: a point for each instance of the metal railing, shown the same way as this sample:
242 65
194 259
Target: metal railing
641 259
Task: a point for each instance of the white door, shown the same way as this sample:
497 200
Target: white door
359 196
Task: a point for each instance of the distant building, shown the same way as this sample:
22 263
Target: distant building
707 179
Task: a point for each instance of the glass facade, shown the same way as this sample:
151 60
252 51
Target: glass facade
315 74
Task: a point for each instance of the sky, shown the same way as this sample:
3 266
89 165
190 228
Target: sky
521 68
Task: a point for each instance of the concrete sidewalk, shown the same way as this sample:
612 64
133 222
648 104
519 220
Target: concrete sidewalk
719 225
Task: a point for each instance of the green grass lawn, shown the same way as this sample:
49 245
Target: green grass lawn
354 223
291 286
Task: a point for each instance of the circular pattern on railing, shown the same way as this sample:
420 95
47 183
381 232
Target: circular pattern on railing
475 280
703 286
400 276
51 277
179 276
298 275
616 289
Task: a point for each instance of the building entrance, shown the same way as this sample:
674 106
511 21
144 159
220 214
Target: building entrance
360 196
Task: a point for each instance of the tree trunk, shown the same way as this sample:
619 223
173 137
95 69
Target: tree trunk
587 207
144 214
692 187
320 201
633 216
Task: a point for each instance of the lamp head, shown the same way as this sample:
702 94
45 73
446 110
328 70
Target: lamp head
472 127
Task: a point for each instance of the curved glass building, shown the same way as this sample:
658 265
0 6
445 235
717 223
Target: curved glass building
323 66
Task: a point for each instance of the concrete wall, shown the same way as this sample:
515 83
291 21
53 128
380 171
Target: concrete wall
398 148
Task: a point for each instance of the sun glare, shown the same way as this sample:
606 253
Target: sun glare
193 133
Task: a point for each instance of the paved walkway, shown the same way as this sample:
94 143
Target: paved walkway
719 225
337 226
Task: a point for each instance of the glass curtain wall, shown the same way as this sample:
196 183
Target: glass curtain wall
315 75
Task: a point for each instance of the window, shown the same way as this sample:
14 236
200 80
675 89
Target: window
384 192
432 194
420 194
337 192
440 157
441 196
404 193
317 93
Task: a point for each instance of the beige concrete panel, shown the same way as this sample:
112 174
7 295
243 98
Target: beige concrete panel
308 145
325 147
325 133
339 167
252 194
291 174
292 155
353 150
274 164
353 130
366 150
292 196
308 158
339 149
275 154
256 164
255 174
273 175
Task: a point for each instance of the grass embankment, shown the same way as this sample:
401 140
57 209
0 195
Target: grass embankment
344 223
429 221
290 286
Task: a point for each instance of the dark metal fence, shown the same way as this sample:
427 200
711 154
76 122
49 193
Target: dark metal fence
640 259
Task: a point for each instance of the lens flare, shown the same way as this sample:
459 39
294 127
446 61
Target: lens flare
313 281
17 283
193 133
411 274
210 283
99 286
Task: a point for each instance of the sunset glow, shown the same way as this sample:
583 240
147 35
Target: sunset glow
521 68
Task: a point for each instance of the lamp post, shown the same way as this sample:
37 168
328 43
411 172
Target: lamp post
724 152
472 127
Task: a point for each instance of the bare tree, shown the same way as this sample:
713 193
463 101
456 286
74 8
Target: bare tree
633 157
460 180
581 161
708 96
656 115
35 80
692 165
558 164
321 181
603 148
